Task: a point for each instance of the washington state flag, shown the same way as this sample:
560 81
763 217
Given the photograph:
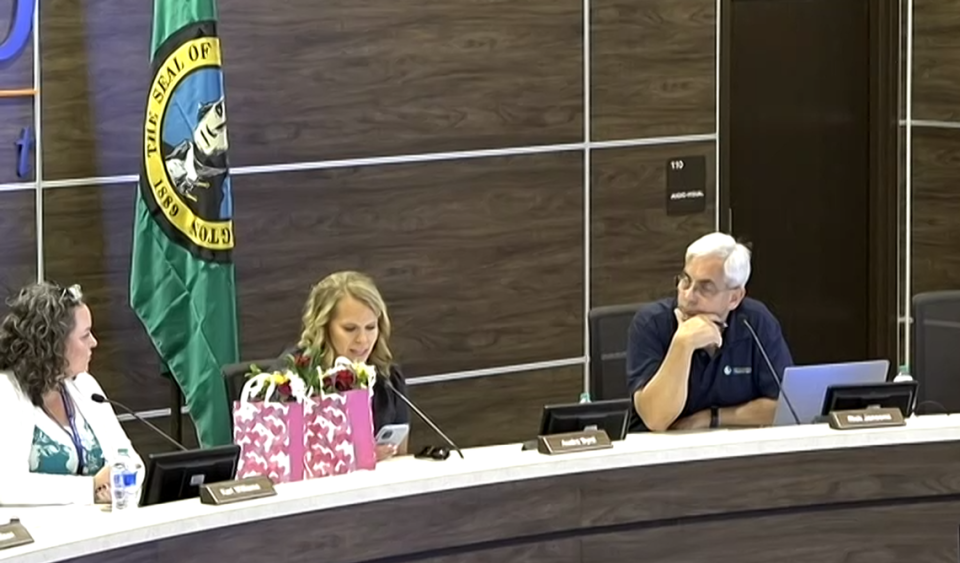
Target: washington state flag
182 281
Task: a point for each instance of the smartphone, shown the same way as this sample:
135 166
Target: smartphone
393 434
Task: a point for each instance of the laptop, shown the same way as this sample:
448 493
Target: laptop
807 385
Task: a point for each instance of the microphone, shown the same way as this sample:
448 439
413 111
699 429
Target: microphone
773 372
422 416
98 398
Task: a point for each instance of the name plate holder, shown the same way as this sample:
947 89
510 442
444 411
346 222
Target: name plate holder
866 418
13 534
583 441
227 492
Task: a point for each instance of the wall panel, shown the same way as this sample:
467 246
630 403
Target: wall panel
96 69
87 238
637 249
653 68
936 209
480 260
499 409
362 78
936 60
934 258
18 243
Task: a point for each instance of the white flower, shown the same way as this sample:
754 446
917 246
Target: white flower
298 387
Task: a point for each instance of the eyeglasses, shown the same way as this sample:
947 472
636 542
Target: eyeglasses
72 294
706 289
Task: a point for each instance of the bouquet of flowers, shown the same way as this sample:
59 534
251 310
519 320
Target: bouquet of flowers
345 376
283 385
302 377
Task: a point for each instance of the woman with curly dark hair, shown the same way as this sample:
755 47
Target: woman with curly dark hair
56 441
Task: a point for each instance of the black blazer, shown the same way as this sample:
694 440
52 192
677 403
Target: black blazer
387 407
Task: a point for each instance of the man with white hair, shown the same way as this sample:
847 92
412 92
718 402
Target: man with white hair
691 361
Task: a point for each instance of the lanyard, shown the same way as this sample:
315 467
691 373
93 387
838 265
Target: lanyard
74 436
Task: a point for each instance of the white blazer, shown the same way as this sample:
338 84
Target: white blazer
18 485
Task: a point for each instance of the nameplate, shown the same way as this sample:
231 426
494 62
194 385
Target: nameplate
226 492
13 534
866 418
584 441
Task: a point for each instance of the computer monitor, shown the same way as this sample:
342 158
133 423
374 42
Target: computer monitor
178 475
611 416
900 394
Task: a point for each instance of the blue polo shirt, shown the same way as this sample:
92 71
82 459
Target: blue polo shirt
734 375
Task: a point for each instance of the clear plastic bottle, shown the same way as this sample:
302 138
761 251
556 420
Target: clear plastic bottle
123 481
903 374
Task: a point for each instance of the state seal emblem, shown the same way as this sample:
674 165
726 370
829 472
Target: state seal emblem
185 176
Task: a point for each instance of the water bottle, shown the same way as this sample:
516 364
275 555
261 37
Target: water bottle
123 481
903 374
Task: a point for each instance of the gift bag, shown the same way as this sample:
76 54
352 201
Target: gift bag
338 434
305 439
270 436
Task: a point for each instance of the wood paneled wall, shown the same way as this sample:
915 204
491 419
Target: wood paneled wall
481 259
935 189
637 250
653 68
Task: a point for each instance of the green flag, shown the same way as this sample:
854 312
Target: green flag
182 283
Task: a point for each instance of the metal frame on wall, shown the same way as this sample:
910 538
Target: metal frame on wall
904 316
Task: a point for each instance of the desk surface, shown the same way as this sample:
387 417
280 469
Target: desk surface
74 531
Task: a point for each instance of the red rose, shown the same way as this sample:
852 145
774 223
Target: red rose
327 382
301 361
345 380
284 389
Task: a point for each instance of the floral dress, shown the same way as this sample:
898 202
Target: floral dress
54 451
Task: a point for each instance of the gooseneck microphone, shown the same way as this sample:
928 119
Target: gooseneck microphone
422 416
773 372
98 398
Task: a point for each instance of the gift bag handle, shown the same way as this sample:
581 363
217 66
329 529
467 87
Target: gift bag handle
255 384
264 380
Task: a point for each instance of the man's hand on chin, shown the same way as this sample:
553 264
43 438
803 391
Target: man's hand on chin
695 421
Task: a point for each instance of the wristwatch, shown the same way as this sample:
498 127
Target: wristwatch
714 417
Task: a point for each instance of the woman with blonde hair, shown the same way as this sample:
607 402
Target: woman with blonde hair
345 315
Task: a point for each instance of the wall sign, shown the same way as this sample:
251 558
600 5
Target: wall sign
16 40
686 185
13 44
24 146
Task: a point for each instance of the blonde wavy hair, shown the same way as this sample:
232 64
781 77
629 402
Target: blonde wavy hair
318 313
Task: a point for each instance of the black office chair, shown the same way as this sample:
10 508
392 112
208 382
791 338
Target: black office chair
608 350
235 376
936 355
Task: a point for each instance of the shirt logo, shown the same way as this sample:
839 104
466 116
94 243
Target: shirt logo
746 370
